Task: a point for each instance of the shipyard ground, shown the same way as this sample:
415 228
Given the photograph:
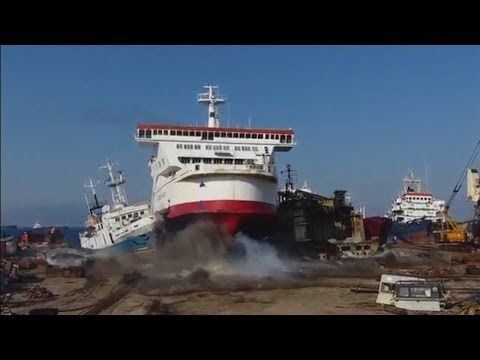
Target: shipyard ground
134 285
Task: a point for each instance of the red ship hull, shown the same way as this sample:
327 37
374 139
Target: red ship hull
254 218
377 228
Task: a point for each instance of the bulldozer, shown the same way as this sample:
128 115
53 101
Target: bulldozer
451 231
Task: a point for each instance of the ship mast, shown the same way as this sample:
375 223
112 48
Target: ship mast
411 180
212 100
91 185
86 201
289 187
115 184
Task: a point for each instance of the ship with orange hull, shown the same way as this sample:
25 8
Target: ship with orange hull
218 173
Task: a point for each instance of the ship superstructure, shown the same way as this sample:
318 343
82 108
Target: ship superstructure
415 203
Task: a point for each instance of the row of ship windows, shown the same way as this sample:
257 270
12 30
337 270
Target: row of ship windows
418 207
188 146
187 160
420 210
416 198
432 213
217 147
427 204
210 135
129 216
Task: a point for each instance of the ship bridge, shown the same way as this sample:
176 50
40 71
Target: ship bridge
280 139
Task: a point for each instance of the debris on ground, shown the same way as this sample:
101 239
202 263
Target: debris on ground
107 304
5 300
470 306
436 271
6 311
38 292
159 308
473 268
92 284
74 272
57 271
360 289
126 285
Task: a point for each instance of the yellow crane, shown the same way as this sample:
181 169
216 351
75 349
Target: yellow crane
450 230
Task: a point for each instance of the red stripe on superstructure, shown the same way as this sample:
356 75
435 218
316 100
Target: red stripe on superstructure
196 128
222 206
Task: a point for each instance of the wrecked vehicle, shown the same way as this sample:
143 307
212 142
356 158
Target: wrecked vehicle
420 296
411 293
386 289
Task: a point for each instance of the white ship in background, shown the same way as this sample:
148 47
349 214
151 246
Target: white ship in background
120 227
221 173
473 185
416 203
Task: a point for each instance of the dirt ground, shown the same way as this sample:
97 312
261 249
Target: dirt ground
304 288
324 298
300 301
196 275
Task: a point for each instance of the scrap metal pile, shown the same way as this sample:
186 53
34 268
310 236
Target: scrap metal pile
38 292
470 306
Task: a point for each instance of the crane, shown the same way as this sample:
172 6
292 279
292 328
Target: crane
451 231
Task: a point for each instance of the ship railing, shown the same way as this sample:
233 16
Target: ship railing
257 167
141 203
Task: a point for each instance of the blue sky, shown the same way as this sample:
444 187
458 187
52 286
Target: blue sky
363 115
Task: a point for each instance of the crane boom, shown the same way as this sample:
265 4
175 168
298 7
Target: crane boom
460 181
